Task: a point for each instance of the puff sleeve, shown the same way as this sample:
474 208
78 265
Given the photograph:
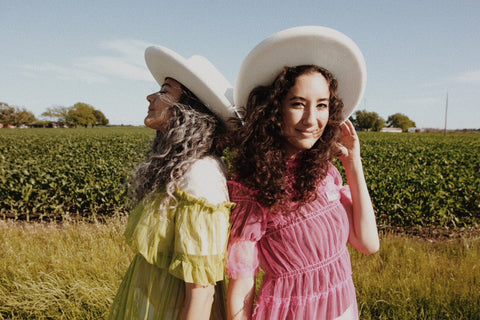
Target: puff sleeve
344 190
202 224
188 236
248 227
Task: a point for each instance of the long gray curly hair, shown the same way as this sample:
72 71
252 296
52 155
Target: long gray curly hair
192 132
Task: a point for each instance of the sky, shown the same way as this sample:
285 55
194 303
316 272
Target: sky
60 52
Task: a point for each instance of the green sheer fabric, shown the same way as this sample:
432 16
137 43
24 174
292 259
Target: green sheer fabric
186 243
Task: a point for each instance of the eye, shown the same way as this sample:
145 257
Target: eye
322 106
297 104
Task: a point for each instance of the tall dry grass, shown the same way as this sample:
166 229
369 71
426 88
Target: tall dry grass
415 278
60 271
72 271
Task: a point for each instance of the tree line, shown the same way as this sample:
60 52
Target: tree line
80 114
371 121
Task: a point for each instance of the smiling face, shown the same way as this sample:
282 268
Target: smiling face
305 112
159 111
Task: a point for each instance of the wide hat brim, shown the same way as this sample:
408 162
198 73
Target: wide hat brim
196 73
307 45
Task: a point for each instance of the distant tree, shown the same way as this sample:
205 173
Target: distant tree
368 120
6 113
81 114
399 120
23 116
101 120
14 115
57 113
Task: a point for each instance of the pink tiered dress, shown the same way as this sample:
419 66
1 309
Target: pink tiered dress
304 255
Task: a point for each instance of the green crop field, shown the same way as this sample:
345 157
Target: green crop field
415 180
423 180
51 174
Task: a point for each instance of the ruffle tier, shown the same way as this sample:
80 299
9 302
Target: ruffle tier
189 240
173 245
149 292
317 292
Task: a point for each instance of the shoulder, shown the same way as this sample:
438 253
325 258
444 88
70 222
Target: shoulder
249 218
334 174
239 192
235 187
206 167
206 179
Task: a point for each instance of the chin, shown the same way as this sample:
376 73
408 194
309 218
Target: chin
150 125
308 145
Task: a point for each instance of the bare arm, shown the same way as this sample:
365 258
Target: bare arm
198 301
363 228
240 298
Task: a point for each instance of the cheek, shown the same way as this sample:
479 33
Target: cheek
323 118
290 119
162 114
161 107
322 122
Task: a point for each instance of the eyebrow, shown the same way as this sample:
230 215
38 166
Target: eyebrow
172 85
303 99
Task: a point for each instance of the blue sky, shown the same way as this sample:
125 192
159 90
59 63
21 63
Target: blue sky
60 52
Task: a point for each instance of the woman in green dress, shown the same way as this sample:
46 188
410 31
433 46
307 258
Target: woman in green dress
179 227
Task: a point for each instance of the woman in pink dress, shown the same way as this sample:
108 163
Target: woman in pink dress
293 216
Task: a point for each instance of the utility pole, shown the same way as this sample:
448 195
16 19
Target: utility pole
446 110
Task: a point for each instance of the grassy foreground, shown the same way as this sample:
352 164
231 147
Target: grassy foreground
72 271
52 271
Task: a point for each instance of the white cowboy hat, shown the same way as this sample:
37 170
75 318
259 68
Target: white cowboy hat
196 73
321 46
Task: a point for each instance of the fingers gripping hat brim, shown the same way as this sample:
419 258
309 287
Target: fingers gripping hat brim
307 45
196 73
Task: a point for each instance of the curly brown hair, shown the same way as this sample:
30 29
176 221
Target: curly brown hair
192 132
259 158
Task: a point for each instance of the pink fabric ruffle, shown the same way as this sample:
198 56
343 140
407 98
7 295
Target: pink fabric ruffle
242 259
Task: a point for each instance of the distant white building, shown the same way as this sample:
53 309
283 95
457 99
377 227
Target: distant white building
394 130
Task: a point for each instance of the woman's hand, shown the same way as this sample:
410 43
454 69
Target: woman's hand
240 296
350 144
198 301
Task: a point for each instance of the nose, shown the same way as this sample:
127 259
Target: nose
309 116
151 97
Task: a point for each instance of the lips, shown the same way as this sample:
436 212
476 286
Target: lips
308 132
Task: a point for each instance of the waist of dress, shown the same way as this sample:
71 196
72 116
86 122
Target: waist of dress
319 265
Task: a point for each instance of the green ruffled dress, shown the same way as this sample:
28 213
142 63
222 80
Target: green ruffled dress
184 244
